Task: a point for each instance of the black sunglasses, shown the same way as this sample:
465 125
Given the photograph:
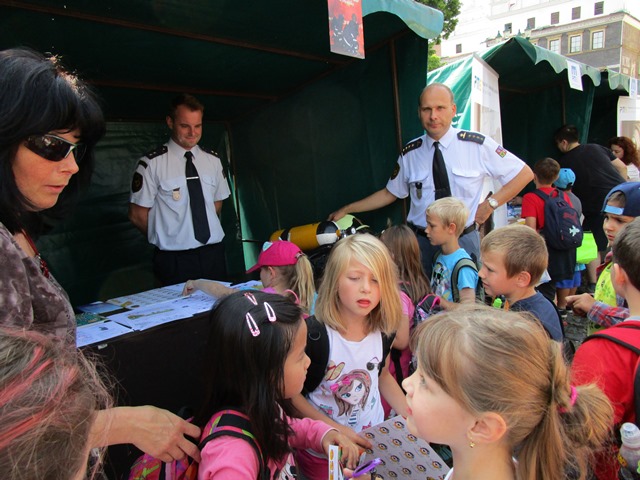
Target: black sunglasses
53 148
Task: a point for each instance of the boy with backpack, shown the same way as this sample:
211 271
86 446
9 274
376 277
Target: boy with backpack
610 357
550 212
513 260
455 274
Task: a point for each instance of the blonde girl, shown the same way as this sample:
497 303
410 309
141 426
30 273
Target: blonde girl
492 386
284 269
358 302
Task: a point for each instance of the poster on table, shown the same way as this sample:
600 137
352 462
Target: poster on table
485 118
345 27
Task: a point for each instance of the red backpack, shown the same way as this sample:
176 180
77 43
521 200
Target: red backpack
226 422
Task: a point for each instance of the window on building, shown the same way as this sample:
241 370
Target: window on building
555 18
554 45
575 43
575 13
507 28
597 39
459 48
531 23
598 8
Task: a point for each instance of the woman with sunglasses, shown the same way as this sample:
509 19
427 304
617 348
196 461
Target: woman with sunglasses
49 125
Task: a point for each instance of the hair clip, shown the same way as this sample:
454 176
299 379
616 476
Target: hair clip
271 314
572 400
253 326
251 298
295 295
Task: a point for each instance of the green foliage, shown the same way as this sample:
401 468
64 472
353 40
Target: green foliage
450 10
433 61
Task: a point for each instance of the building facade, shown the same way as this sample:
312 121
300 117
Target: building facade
603 34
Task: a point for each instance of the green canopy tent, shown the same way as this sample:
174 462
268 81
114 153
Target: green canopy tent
301 130
535 97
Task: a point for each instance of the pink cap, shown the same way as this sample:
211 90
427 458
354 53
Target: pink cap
277 254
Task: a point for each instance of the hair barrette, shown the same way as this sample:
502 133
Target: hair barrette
253 326
251 298
271 314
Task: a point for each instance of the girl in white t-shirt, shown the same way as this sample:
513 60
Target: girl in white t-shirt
358 302
493 387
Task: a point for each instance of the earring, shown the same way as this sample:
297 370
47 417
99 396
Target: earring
471 443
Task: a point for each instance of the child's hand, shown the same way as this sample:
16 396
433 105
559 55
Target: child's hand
354 437
350 451
580 304
348 472
189 287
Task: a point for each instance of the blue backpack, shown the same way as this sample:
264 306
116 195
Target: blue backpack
562 229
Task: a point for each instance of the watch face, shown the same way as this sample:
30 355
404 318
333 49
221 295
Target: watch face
493 202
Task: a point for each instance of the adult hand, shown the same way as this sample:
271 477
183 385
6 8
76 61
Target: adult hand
483 212
580 304
350 451
337 215
161 434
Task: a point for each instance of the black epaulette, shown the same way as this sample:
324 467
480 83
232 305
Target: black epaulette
210 151
412 146
161 150
471 136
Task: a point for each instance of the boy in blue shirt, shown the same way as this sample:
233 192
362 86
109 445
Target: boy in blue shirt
513 260
446 219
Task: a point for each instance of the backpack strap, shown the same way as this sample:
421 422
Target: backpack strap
460 264
318 351
606 334
233 423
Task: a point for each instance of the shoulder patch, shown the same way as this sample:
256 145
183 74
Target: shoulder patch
210 151
136 183
412 146
395 172
157 152
471 137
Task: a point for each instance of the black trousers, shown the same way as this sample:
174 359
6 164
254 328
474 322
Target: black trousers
177 266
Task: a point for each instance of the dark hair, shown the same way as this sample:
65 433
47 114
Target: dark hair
568 133
629 149
626 251
189 101
247 372
546 170
38 96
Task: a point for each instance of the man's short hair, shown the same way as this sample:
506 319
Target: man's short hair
450 210
189 101
568 133
626 251
546 170
523 250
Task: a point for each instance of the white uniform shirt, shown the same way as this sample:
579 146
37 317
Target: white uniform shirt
468 163
164 190
352 375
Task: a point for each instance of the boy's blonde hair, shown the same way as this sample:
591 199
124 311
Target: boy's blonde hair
299 279
450 210
490 360
372 253
524 250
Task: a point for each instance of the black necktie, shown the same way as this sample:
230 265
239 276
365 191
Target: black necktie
196 201
440 178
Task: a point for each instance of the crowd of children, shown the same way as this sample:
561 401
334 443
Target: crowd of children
290 372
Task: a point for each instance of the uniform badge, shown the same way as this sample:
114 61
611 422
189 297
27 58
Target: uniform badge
176 194
501 151
136 183
396 171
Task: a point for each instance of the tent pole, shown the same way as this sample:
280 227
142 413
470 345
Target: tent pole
396 105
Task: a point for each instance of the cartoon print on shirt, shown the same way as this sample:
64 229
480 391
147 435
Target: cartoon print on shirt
351 392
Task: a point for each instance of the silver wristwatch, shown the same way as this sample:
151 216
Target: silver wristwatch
493 203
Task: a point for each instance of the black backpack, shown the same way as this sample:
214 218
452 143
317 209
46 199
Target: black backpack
318 351
562 229
460 264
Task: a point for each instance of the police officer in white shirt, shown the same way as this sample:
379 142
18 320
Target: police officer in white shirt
160 204
469 158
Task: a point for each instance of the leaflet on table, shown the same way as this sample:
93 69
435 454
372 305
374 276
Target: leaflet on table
403 455
145 317
101 308
152 297
99 332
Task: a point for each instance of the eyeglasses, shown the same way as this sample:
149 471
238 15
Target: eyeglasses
54 148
